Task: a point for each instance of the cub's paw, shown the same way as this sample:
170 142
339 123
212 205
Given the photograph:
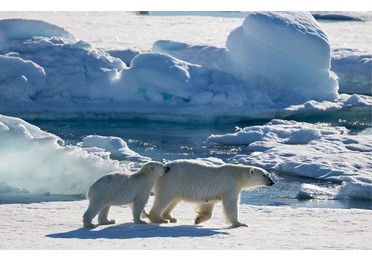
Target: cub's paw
107 222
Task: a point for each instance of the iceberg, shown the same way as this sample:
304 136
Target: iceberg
116 146
46 73
353 68
316 151
285 54
38 162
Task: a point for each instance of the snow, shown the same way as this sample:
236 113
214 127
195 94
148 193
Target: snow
116 146
267 48
38 162
57 76
341 15
353 67
57 225
278 131
125 55
310 150
46 72
17 29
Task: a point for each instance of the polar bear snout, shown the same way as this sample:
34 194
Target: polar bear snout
269 182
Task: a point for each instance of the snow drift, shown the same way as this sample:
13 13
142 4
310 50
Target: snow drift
46 73
285 54
116 147
39 162
354 69
310 150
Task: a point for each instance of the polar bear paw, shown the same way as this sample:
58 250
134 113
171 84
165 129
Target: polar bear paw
107 222
89 225
140 221
238 224
157 220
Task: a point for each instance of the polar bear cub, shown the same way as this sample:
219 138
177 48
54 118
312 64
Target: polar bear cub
119 189
205 184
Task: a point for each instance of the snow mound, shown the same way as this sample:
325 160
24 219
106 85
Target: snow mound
21 29
125 55
346 190
342 16
20 79
117 147
285 54
309 150
163 82
353 67
39 162
278 131
53 76
310 191
205 55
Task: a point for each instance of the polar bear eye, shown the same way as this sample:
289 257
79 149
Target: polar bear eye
251 171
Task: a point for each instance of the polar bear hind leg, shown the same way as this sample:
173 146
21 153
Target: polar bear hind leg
203 212
103 216
92 211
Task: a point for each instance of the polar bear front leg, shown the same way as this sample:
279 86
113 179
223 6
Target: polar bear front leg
203 212
230 205
137 207
160 204
103 216
167 212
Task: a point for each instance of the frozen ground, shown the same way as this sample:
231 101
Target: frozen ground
57 225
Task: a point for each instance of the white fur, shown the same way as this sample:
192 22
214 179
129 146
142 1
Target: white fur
204 184
120 189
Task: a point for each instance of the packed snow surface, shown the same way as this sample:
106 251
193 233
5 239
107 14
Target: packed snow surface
310 150
53 75
57 225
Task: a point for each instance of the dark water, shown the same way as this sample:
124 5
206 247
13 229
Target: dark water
169 141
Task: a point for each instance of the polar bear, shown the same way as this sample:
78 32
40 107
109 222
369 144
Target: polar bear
119 189
205 184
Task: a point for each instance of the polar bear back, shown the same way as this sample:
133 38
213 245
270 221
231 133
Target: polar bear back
195 181
115 188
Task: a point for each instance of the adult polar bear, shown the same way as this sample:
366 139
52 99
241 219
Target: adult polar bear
205 184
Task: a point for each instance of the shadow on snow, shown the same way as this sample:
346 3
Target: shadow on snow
131 230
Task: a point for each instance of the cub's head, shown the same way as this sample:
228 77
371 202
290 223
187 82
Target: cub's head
155 168
257 177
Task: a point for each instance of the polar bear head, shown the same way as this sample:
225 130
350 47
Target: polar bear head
154 168
255 176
